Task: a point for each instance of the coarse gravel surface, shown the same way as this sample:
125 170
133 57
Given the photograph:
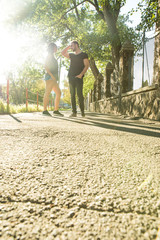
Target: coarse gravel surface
88 178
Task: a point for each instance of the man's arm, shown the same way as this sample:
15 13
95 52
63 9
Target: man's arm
86 66
65 52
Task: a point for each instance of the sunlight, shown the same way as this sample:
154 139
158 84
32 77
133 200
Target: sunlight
10 51
16 47
17 43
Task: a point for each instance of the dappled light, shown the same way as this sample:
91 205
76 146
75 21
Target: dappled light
79 119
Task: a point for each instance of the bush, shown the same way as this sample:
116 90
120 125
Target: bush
19 108
3 107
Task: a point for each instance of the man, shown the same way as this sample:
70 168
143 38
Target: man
79 64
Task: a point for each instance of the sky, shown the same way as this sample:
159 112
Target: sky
16 46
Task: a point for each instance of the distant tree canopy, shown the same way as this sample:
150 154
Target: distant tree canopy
96 24
28 76
66 93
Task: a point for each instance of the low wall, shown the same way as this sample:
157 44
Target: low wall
144 102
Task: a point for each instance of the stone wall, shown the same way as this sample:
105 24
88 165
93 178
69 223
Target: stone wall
144 103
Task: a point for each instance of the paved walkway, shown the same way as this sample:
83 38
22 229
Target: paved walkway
83 178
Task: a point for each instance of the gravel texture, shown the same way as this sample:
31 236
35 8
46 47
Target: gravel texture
96 177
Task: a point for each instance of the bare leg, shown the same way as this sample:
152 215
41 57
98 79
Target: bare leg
57 91
49 86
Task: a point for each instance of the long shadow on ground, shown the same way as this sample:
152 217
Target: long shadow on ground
15 118
136 128
113 123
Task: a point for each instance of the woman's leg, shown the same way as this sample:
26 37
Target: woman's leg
57 91
49 86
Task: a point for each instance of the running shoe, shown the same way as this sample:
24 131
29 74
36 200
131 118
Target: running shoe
57 113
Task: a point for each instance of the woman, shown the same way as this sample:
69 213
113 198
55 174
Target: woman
51 79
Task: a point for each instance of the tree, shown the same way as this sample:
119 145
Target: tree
85 21
66 13
150 14
88 83
29 76
66 93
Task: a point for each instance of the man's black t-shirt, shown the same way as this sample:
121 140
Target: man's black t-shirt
77 64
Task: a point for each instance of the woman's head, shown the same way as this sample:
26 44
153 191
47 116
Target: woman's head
52 48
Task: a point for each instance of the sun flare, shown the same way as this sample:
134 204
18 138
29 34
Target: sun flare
17 43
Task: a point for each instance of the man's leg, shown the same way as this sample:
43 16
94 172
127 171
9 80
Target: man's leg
79 85
73 95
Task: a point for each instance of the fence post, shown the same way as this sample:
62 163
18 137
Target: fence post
37 101
8 95
26 99
48 103
51 103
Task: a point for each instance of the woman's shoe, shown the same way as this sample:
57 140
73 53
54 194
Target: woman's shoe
58 113
46 113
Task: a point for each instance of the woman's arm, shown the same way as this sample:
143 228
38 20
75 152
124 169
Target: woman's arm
47 68
48 71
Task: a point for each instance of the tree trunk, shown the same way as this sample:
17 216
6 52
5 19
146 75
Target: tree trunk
98 78
111 22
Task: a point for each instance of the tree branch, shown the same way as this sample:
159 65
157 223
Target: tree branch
97 8
51 3
76 10
75 6
95 4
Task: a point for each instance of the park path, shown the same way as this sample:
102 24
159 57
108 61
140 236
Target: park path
88 178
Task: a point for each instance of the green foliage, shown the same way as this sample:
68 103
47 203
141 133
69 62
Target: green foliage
88 83
150 14
29 76
62 21
22 108
18 108
145 84
66 93
129 34
3 107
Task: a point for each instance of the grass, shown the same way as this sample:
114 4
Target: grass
18 108
3 107
22 108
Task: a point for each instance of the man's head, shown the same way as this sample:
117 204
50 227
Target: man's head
74 45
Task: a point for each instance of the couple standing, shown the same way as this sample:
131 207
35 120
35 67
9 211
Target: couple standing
79 64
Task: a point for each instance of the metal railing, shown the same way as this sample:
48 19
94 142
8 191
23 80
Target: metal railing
28 99
37 102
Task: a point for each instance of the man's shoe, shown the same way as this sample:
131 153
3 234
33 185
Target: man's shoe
57 113
83 114
46 113
73 115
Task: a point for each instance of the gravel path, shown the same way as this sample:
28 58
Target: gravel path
84 178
